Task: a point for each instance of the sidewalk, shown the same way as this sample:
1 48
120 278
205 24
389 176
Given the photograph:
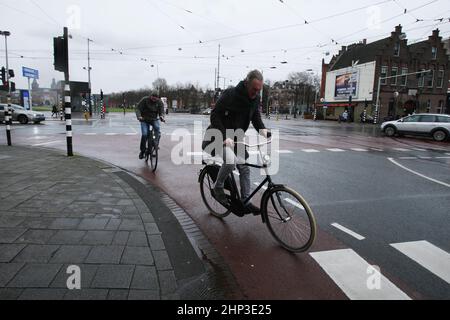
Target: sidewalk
57 212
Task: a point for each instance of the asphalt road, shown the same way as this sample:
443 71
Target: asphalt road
378 202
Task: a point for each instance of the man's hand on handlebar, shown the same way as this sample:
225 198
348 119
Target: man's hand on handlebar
140 119
266 133
229 143
162 119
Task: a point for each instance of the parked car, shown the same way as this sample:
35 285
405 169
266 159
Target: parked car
436 126
21 115
207 112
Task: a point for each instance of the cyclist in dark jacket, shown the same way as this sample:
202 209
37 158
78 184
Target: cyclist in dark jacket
234 111
149 111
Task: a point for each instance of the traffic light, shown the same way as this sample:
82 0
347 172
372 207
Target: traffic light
60 53
3 75
11 73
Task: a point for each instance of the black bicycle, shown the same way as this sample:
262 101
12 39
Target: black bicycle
151 154
287 215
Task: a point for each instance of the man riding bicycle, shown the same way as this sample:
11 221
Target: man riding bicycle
149 111
234 111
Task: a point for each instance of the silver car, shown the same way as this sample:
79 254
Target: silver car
436 126
21 114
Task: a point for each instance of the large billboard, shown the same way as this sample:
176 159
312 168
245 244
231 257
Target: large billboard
346 85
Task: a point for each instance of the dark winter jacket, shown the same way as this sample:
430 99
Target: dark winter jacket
149 110
235 110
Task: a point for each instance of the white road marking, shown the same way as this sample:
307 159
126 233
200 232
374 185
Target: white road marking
442 157
46 143
376 149
131 134
295 204
263 187
111 134
425 158
284 151
401 149
448 154
336 150
419 174
90 134
408 158
310 150
428 256
353 275
348 231
419 149
359 150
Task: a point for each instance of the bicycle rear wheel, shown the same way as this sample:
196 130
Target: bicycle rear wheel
207 182
289 219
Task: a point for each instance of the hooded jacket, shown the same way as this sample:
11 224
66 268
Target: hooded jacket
235 110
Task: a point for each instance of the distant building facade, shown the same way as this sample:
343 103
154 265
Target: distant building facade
350 80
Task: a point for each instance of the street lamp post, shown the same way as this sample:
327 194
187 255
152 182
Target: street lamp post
377 107
8 108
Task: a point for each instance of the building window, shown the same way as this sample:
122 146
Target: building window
384 73
434 53
404 77
440 79
430 79
421 79
394 73
397 49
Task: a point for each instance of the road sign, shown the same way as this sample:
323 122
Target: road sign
30 73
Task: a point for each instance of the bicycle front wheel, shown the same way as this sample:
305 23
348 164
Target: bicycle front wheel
289 219
154 158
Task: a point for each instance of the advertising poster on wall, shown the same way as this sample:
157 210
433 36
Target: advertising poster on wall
346 85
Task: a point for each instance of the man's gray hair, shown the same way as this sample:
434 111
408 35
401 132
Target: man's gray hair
255 74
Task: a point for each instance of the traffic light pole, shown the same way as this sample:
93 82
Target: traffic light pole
67 98
8 108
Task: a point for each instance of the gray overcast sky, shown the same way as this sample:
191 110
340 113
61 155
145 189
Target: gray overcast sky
167 34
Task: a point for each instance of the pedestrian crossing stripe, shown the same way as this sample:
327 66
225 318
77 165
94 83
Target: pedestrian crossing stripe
336 150
432 258
356 277
310 150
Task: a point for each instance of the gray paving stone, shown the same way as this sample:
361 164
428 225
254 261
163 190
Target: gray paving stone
10 222
98 238
37 253
10 294
105 254
131 225
162 260
93 224
36 223
137 239
167 282
145 278
151 228
65 223
121 238
67 237
118 294
71 254
113 224
42 294
143 295
138 256
156 242
9 235
9 251
36 236
113 277
35 276
87 273
86 294
8 271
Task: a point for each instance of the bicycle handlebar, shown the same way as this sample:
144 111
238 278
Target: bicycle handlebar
269 141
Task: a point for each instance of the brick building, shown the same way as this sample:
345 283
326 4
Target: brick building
350 79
